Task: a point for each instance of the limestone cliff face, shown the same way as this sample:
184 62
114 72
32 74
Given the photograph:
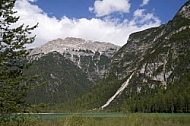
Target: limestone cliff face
154 54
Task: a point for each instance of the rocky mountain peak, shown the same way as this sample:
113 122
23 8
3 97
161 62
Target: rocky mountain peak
185 10
69 41
70 44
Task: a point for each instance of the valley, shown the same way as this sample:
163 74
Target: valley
148 74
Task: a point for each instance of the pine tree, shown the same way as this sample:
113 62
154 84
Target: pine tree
14 84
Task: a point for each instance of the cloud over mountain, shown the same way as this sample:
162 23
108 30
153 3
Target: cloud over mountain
107 29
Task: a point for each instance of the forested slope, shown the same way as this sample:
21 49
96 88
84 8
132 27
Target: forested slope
158 59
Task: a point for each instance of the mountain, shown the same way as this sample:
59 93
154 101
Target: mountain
92 57
68 68
151 72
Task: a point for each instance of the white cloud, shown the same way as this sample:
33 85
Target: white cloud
145 2
106 7
106 30
143 18
138 12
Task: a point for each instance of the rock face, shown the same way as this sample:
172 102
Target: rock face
185 11
154 54
92 57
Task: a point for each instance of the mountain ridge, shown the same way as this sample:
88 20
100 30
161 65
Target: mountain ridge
153 66
156 52
158 60
70 44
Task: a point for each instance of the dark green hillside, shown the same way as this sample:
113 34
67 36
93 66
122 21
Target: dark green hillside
63 79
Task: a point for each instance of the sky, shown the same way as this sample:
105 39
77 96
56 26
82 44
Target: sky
97 20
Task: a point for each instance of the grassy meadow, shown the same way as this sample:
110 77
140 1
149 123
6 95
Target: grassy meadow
108 119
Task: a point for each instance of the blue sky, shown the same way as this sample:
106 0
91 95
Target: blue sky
164 9
99 20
